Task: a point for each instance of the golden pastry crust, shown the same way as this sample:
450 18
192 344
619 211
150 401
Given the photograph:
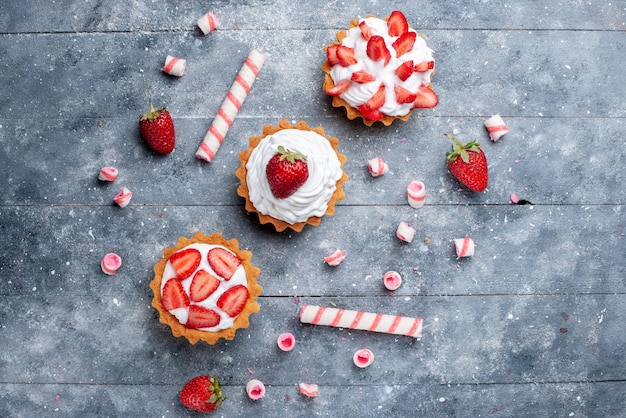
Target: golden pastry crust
242 172
254 290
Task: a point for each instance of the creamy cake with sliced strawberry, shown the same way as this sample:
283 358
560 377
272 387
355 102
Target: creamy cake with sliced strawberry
380 70
205 288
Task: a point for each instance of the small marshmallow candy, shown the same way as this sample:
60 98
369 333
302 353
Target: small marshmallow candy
416 194
286 341
107 174
405 232
110 263
335 258
496 127
174 66
377 167
208 23
392 280
255 389
123 197
309 389
464 247
363 358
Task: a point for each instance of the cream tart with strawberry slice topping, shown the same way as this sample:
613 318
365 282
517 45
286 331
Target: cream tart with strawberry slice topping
205 288
291 175
380 70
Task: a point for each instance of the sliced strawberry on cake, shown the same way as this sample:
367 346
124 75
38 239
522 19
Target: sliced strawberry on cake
233 300
203 285
223 262
397 24
200 317
185 262
174 296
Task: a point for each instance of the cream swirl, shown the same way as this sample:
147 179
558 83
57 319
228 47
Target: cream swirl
312 198
358 94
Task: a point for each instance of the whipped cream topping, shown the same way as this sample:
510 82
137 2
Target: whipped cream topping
210 303
312 198
359 94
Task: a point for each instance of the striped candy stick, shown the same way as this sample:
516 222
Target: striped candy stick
496 127
174 66
366 321
230 106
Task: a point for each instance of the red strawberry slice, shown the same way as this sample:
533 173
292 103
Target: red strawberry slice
331 55
366 32
339 88
405 70
403 95
397 24
377 100
424 66
200 317
377 49
233 300
346 56
404 43
370 114
426 98
203 285
185 262
223 262
174 295
362 77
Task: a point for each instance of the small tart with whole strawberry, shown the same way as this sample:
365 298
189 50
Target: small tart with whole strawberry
205 288
291 175
380 70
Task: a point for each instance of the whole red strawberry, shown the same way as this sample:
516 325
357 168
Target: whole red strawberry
468 164
157 129
202 393
286 171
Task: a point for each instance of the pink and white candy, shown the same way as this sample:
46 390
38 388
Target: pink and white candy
123 197
363 358
208 23
366 321
377 167
174 66
107 174
496 127
464 247
335 258
255 389
405 232
286 341
111 263
309 389
416 194
392 280
230 106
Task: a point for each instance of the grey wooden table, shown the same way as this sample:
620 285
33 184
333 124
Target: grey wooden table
532 325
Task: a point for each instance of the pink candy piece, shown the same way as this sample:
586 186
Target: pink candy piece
335 258
123 197
341 318
255 389
107 174
416 194
496 127
363 358
208 23
392 280
309 389
174 66
377 167
464 247
286 341
514 198
111 263
230 106
405 232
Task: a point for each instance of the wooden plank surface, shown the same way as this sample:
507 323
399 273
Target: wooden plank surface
532 325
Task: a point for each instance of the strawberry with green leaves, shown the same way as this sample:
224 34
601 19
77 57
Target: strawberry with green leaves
286 172
468 164
157 129
202 393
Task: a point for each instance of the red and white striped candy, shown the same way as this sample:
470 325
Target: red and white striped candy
496 127
392 280
230 106
416 194
107 174
174 66
335 258
208 23
110 263
377 167
255 389
366 321
309 389
363 358
123 197
405 232
464 247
